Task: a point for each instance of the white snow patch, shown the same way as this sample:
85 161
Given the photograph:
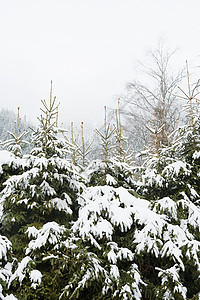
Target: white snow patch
61 205
6 157
50 232
21 270
36 278
10 297
114 271
175 168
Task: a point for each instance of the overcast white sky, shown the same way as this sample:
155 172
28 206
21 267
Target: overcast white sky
87 47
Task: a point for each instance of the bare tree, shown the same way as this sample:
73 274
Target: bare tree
151 103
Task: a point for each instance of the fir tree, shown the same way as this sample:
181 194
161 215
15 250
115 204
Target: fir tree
17 142
170 178
116 167
38 206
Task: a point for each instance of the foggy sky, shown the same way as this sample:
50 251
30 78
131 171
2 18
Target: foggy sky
87 47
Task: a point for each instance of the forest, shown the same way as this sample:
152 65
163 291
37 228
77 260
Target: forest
114 217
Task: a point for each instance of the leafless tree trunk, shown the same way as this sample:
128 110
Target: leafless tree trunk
152 101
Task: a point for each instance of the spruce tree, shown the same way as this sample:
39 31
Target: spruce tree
116 167
170 179
16 143
38 206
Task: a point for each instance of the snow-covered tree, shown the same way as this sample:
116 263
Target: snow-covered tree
8 124
38 206
146 250
170 178
17 142
115 168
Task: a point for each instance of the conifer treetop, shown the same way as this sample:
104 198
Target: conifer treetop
17 142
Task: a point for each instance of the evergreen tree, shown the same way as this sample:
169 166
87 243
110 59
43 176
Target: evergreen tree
115 168
8 124
17 142
38 206
170 178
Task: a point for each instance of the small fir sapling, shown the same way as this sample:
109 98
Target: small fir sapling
17 142
98 170
122 150
116 167
106 141
11 160
121 163
84 150
79 151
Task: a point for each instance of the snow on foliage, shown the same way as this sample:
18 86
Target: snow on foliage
97 202
175 168
61 204
106 240
49 233
21 270
9 297
6 157
36 278
5 245
5 274
104 208
193 212
171 277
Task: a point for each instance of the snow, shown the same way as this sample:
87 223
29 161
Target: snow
6 157
114 271
110 180
10 297
9 158
50 257
193 251
112 256
20 273
21 180
5 273
171 250
196 155
5 245
61 205
36 278
88 273
103 227
49 233
165 205
172 275
94 166
125 253
176 168
130 291
47 189
104 208
104 201
41 163
193 212
150 176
